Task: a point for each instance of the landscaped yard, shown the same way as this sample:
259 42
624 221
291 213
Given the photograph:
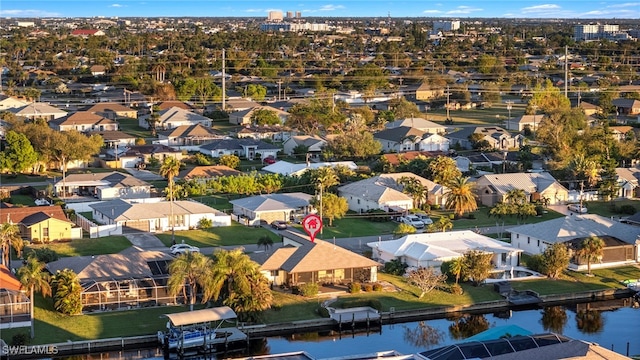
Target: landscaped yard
572 281
19 199
611 208
82 247
131 127
235 234
22 178
350 227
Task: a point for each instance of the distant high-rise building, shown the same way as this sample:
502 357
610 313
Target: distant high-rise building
289 14
586 32
298 14
446 25
275 16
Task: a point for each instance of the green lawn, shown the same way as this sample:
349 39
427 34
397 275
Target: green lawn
482 219
21 178
20 199
496 114
87 214
131 127
611 208
235 234
350 227
577 282
82 247
218 202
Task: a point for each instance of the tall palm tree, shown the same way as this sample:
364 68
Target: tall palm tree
170 168
324 178
190 270
591 249
444 223
265 241
460 196
33 277
456 267
10 238
516 196
414 188
67 292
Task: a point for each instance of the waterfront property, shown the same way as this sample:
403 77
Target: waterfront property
621 240
432 249
14 303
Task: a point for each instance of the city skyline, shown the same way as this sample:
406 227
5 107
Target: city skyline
569 9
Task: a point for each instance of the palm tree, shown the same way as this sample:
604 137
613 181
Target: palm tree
591 249
456 267
516 196
33 277
324 178
10 238
67 292
190 270
265 241
414 188
460 196
170 168
444 223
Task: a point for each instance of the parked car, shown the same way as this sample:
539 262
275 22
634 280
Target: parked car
183 248
269 160
279 224
580 209
413 221
424 218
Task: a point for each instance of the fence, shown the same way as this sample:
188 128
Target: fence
95 230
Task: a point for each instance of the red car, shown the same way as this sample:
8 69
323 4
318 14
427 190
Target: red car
269 160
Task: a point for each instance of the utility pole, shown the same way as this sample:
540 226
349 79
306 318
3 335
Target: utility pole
224 105
509 103
535 110
279 86
566 71
448 94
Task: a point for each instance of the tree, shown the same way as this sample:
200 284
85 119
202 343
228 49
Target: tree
442 170
477 265
354 145
18 154
591 249
169 169
266 241
555 259
265 117
33 277
457 267
414 188
426 279
403 108
444 224
153 119
188 271
404 229
547 97
554 318
237 279
256 92
10 238
67 292
332 206
231 161
460 196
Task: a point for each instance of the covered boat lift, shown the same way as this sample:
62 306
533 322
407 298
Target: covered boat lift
201 329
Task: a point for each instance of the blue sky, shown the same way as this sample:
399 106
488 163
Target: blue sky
380 8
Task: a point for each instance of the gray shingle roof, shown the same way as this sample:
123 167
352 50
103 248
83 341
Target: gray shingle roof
398 133
274 202
121 210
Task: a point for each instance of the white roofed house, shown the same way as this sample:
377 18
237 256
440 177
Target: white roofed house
39 111
113 111
187 135
286 168
418 123
493 188
270 207
175 117
155 216
83 121
243 148
103 186
11 102
627 182
622 245
243 117
384 192
497 137
525 121
404 138
432 249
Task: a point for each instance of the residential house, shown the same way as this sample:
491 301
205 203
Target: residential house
313 143
627 106
269 207
433 249
11 102
41 223
300 261
243 117
187 135
286 168
113 111
491 160
273 133
520 123
115 139
493 188
395 159
103 186
418 123
85 33
627 182
207 172
156 216
39 110
134 156
98 70
497 137
165 105
130 279
14 303
384 192
621 240
232 105
404 138
243 148
622 133
175 117
429 92
83 121
589 109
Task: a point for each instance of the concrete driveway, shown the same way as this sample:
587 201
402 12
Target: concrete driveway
145 241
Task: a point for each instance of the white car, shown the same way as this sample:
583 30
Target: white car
413 221
580 209
183 248
425 219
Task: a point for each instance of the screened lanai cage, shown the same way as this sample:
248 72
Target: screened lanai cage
14 308
118 294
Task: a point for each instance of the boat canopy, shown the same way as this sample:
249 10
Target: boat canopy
201 316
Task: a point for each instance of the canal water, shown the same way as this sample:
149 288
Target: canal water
612 324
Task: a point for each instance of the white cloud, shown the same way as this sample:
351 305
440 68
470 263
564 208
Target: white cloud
637 4
432 12
330 7
116 5
463 10
27 13
545 8
255 10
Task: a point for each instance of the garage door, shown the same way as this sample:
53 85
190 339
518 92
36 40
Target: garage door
136 226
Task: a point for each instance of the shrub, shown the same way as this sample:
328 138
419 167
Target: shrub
395 267
456 289
368 287
377 287
452 216
20 339
355 287
471 216
536 263
628 209
539 210
205 223
378 215
308 289
367 254
322 311
44 254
